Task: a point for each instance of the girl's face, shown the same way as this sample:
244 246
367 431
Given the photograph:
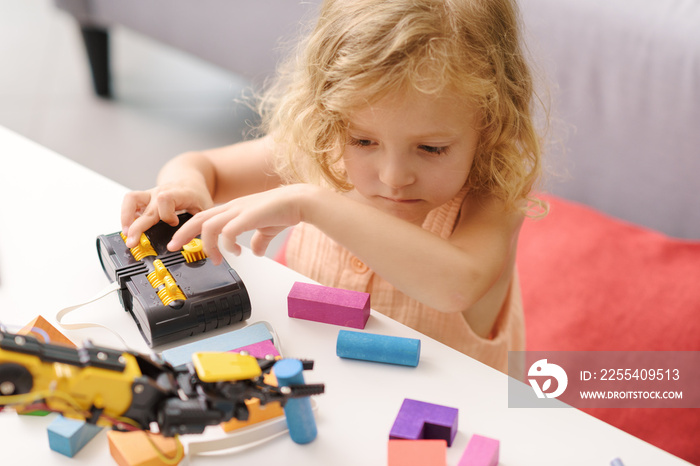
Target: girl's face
410 153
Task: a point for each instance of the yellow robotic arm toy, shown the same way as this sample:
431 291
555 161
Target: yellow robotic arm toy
130 391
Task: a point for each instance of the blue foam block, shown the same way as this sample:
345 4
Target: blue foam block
378 348
300 416
69 436
225 342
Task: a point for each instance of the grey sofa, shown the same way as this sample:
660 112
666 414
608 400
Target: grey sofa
246 37
626 86
624 77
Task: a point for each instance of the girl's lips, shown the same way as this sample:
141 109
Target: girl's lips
400 201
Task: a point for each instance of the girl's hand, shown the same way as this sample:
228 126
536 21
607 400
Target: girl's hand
143 209
269 213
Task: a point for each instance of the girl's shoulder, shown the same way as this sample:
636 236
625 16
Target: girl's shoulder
489 211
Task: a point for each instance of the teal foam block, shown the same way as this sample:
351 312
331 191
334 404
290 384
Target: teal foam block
378 348
225 342
69 436
300 416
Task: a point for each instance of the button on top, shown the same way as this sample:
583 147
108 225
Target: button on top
358 266
194 251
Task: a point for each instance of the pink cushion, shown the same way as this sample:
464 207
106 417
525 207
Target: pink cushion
592 282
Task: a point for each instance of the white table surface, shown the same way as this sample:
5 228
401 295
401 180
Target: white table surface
53 209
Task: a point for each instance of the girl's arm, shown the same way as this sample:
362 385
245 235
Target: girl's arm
195 181
454 275
449 275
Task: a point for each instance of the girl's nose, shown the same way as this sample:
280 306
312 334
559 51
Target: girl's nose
396 172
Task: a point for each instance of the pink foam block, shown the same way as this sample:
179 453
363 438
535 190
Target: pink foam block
481 451
329 305
259 350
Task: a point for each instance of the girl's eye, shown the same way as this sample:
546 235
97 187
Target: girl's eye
360 142
434 150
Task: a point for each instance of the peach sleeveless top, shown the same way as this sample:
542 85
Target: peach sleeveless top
313 254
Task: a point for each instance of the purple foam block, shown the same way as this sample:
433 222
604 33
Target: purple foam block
481 451
420 420
329 305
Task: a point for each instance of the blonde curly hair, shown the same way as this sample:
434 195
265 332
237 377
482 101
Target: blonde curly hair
362 50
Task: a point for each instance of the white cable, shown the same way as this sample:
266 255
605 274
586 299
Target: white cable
111 288
237 441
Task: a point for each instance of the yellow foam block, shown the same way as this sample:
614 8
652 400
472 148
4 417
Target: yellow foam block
136 449
215 366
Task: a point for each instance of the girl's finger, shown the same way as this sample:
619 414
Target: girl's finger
187 231
140 225
210 230
132 203
260 241
231 244
167 208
